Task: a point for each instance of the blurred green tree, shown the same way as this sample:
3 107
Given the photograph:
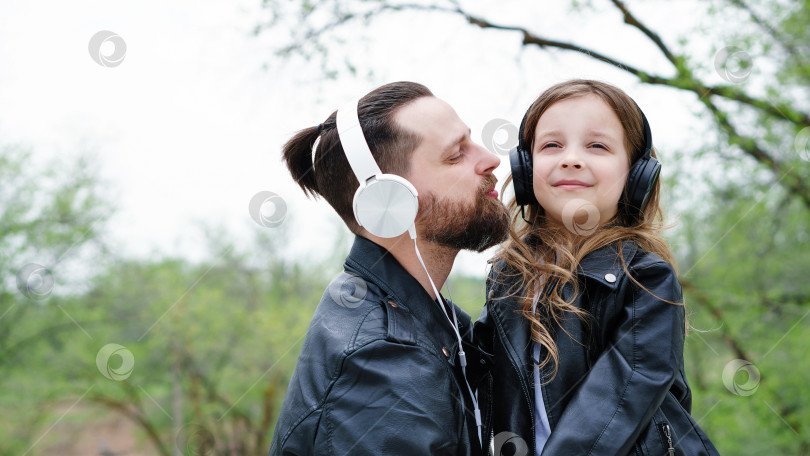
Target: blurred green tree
50 217
201 353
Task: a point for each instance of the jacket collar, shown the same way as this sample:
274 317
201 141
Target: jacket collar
510 323
602 265
605 266
379 267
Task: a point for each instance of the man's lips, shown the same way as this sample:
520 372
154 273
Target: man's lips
570 184
490 191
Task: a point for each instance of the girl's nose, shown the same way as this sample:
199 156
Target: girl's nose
571 160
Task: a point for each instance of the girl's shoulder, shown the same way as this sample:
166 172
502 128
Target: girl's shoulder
610 263
644 259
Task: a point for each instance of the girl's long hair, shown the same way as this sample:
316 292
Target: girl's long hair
543 256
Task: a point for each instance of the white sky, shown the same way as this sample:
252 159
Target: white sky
189 126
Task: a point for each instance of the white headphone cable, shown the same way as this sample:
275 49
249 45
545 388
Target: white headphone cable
462 356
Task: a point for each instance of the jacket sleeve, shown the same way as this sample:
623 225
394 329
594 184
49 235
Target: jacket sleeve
630 379
375 409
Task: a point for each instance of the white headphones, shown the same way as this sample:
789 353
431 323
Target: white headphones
384 204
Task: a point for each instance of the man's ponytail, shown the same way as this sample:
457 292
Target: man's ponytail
325 171
297 154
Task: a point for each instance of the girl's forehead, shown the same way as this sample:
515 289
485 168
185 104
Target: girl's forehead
578 102
584 109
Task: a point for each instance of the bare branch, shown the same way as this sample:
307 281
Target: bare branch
11 351
210 386
683 81
704 300
631 19
785 42
792 181
136 416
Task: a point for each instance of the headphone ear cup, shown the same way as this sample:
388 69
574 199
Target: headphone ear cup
520 161
386 206
641 182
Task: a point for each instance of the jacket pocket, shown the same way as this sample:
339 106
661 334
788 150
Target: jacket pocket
667 432
658 439
673 432
687 436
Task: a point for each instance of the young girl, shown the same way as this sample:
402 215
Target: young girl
584 314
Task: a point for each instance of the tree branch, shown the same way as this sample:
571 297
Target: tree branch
136 416
630 19
210 387
718 316
684 80
778 37
10 351
750 146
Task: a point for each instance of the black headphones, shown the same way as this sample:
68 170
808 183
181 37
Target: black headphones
640 181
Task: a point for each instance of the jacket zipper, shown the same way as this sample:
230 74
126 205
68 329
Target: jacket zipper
668 435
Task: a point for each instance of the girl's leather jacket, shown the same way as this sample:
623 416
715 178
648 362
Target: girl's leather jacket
620 388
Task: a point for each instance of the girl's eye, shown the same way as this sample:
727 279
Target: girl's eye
550 145
599 146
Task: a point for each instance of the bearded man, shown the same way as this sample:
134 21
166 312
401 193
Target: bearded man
382 368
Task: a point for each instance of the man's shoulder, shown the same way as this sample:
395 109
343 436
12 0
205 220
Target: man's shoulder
355 311
350 312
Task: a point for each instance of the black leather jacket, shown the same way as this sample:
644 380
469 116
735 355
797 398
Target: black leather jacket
378 371
620 388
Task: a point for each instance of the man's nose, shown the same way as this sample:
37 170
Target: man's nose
487 161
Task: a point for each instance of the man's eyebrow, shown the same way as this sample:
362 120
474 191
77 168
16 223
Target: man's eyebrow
458 140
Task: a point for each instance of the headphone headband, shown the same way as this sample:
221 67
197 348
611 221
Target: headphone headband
647 134
521 142
384 204
354 143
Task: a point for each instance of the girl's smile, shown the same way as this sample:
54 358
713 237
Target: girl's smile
570 184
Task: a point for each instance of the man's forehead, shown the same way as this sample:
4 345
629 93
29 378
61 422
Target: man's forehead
431 118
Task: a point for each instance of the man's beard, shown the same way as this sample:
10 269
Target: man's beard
465 226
